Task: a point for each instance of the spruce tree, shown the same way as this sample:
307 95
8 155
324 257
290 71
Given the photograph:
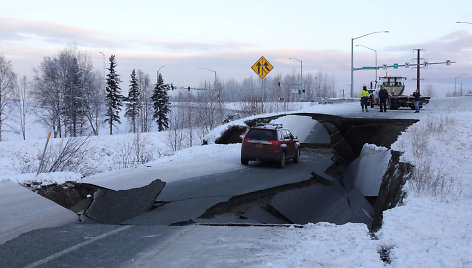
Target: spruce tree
161 104
132 105
113 95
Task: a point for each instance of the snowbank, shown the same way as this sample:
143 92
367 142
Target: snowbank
434 226
314 245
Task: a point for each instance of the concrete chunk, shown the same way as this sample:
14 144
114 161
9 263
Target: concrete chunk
114 207
314 203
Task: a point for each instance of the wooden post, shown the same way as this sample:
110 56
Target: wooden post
44 152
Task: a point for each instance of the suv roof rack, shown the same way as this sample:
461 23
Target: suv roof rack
269 124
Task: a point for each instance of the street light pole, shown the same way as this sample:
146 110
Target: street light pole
217 89
455 82
301 72
375 59
210 71
352 58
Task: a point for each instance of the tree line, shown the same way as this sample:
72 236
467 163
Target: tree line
72 98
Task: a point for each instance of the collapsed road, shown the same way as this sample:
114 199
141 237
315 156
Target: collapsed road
326 186
317 189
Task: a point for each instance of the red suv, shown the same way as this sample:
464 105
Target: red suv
269 142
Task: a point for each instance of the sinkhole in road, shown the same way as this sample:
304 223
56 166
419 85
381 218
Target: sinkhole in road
358 185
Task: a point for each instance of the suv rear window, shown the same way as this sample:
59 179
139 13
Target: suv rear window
262 134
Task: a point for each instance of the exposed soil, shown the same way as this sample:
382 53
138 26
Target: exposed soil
67 195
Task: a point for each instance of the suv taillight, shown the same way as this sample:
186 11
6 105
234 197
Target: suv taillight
246 139
275 142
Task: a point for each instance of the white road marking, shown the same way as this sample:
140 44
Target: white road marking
68 250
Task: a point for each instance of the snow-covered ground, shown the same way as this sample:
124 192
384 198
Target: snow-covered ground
433 228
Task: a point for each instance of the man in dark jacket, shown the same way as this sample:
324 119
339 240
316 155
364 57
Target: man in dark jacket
383 96
417 96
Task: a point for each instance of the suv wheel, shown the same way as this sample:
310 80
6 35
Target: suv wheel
282 159
297 157
244 161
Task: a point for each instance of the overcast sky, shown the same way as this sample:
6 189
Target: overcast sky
230 36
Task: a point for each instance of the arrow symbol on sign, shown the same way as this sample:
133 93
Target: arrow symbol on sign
258 67
266 65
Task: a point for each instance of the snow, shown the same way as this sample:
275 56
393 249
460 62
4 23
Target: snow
426 232
368 180
314 245
190 162
300 126
433 228
22 211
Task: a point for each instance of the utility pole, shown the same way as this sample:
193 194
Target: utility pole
418 71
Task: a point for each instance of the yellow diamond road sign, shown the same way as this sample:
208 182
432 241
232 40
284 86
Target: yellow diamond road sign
262 67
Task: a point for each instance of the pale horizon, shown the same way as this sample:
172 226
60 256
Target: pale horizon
229 37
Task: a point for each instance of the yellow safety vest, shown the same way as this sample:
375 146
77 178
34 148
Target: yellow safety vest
364 93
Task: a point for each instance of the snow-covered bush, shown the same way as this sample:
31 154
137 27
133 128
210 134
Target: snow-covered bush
68 155
430 175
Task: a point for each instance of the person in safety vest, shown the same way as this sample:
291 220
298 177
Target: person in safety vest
364 97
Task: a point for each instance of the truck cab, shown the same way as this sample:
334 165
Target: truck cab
394 85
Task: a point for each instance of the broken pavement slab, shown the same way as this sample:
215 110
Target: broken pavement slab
323 203
22 210
114 207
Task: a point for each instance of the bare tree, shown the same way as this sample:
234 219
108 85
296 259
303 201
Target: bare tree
62 86
176 130
21 95
91 82
251 99
47 91
146 105
7 84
